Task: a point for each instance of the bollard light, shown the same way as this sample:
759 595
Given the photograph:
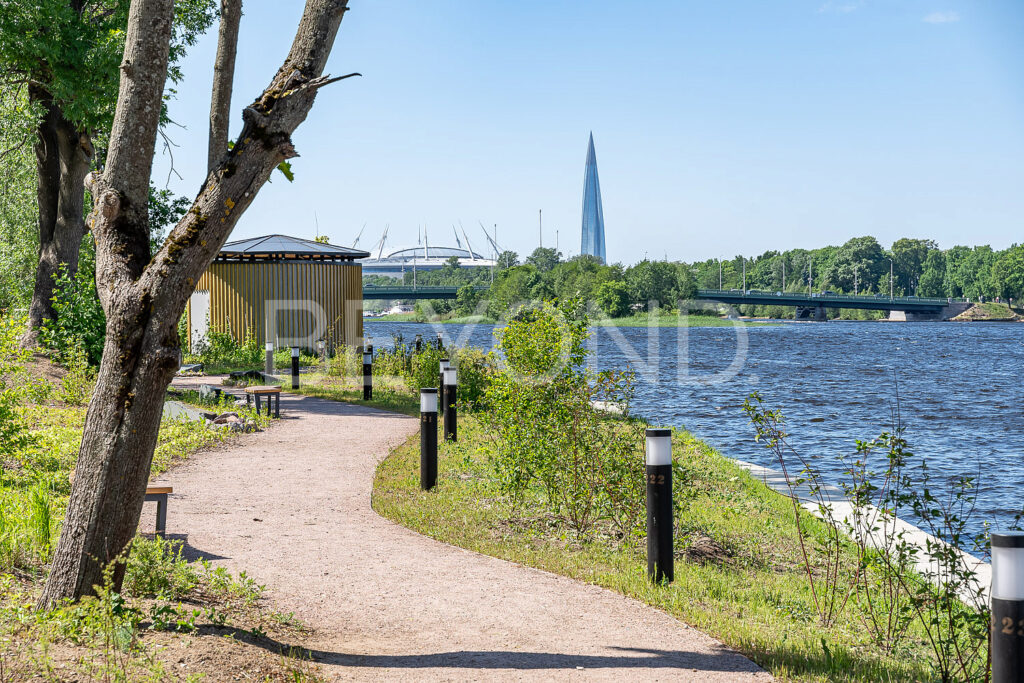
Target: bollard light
428 438
660 559
295 367
440 344
1007 641
367 373
268 368
443 365
450 394
419 343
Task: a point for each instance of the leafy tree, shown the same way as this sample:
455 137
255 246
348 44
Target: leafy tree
908 257
507 259
144 294
933 276
1008 273
613 298
68 52
544 259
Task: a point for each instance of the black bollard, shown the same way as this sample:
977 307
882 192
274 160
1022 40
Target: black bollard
450 389
419 343
268 368
295 367
368 373
440 344
443 365
428 438
659 505
1007 640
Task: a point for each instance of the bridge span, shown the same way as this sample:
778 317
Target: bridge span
808 306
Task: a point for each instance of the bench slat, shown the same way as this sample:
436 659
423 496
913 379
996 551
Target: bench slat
157 490
263 390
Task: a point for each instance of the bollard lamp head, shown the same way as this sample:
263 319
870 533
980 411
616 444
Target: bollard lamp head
1008 565
428 400
659 447
295 352
450 378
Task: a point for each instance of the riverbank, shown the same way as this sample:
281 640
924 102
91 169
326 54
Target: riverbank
989 312
738 572
637 320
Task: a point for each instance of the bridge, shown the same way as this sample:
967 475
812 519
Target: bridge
807 305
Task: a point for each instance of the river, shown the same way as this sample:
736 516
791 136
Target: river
961 389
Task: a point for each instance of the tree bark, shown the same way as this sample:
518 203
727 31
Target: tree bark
223 79
144 298
63 157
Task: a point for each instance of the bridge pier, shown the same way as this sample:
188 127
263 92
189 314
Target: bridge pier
947 312
816 313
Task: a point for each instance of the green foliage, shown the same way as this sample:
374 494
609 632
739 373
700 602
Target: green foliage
1008 273
19 234
613 298
74 55
548 433
77 382
80 324
220 349
14 434
903 584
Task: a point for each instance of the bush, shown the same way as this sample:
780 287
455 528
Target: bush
81 323
587 465
475 371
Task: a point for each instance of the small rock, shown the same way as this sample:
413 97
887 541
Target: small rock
227 418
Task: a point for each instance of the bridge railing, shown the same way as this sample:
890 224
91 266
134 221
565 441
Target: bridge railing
818 299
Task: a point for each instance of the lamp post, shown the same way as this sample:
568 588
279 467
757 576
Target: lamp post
268 367
428 438
659 505
443 365
295 367
367 373
1007 640
419 343
450 390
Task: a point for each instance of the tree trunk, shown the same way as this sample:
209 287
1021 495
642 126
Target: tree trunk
63 157
144 298
223 78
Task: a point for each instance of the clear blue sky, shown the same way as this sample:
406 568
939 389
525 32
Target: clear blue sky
720 127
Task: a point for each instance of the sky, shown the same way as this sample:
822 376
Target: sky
721 127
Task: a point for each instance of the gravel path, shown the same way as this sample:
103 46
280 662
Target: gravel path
291 507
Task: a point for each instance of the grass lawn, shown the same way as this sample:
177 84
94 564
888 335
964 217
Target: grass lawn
395 398
737 574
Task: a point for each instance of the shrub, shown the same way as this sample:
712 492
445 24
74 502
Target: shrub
475 370
81 323
588 465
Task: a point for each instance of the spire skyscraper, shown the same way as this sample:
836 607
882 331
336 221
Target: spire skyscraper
592 241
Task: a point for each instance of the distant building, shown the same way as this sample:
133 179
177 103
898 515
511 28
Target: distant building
280 289
397 263
593 215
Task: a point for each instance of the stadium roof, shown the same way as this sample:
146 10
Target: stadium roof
285 248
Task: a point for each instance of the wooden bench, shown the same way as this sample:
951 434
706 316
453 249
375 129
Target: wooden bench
158 494
154 494
271 392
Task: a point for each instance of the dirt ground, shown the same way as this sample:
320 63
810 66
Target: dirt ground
291 507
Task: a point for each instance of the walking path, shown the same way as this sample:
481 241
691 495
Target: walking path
291 507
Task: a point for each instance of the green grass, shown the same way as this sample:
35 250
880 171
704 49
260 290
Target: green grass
988 311
386 396
737 574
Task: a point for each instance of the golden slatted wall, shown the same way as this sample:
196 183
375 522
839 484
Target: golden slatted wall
239 292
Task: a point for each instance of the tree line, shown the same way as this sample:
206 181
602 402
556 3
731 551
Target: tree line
910 267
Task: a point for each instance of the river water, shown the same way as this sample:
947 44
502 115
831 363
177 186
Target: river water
960 386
